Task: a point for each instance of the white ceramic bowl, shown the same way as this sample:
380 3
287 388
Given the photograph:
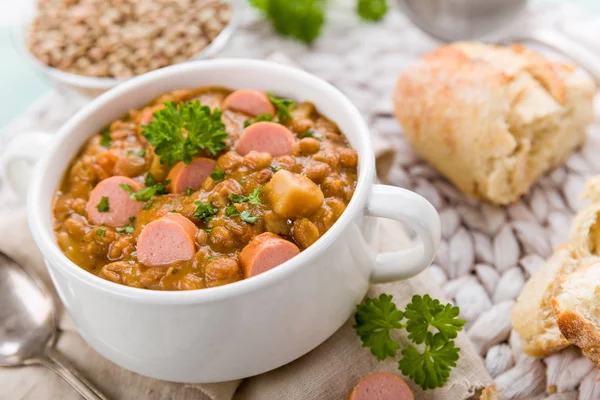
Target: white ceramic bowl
248 327
91 86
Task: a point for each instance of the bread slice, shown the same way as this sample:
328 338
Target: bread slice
493 119
533 315
577 309
544 316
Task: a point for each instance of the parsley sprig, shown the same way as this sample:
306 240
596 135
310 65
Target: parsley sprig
260 118
205 211
204 131
431 327
304 19
283 107
144 194
252 198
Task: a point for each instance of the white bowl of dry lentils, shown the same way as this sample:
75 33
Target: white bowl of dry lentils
93 45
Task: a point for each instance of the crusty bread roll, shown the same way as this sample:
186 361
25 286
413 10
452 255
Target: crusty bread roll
493 119
577 309
557 305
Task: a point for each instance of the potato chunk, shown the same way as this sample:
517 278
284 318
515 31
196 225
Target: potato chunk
292 195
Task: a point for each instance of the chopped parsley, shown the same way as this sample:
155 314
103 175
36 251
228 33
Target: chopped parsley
205 131
207 230
103 205
283 107
100 232
205 211
149 180
260 118
105 139
247 217
141 153
218 174
188 190
144 194
243 179
148 205
253 198
275 166
126 229
231 211
312 133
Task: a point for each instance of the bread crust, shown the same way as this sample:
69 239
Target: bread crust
579 331
492 119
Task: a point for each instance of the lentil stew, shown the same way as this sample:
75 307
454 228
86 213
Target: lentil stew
203 187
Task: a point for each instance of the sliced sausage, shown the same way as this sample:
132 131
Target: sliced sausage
264 252
293 195
249 101
118 207
190 175
147 116
266 137
381 386
167 240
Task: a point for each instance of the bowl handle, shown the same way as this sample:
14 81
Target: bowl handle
418 214
19 157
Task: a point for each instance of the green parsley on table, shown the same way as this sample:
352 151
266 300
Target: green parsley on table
100 232
103 205
431 327
304 19
205 131
217 175
105 139
283 107
144 194
205 211
247 217
372 10
312 133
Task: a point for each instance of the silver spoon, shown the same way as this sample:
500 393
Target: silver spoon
28 327
452 20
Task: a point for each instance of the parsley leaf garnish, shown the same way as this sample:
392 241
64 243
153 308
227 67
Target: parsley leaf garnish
372 10
205 211
374 321
141 153
261 117
253 198
231 211
283 107
105 139
425 312
144 194
100 232
149 180
247 217
431 368
103 205
275 166
148 205
188 190
126 229
300 19
431 327
217 175
312 133
205 131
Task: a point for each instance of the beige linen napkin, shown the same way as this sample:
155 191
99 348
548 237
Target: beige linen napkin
328 372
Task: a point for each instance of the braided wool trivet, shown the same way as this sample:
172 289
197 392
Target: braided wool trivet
487 252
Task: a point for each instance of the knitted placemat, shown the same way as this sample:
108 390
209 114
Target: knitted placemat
487 253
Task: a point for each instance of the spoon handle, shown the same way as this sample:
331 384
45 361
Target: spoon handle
63 368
